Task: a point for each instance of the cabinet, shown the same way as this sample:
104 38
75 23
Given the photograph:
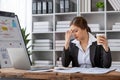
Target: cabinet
106 19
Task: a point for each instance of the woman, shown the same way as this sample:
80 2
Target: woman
83 50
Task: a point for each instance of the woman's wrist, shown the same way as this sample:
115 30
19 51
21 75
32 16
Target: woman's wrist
106 48
66 45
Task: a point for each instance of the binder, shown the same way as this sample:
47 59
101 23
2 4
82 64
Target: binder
50 7
34 7
67 5
62 7
39 7
44 7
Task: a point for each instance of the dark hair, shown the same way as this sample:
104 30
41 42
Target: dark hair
81 23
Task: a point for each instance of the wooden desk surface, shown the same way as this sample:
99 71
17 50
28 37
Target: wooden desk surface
15 73
40 75
11 73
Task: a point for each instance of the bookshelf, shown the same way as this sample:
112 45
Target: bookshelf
58 20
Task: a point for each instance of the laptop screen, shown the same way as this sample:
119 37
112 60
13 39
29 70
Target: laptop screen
10 37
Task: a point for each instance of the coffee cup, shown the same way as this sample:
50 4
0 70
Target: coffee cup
98 36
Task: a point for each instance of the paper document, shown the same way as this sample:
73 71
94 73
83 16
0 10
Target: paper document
85 70
96 70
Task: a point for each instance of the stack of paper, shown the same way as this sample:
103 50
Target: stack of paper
94 27
116 65
41 26
62 25
42 63
59 44
116 26
114 44
42 44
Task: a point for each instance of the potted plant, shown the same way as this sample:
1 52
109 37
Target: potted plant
100 5
25 37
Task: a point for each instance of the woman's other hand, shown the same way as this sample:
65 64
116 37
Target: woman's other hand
104 42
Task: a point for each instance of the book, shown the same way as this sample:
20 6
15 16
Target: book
43 62
114 48
83 5
41 27
114 44
62 6
115 27
117 5
41 23
86 5
67 5
89 5
60 41
42 41
117 23
44 6
34 7
63 22
114 40
41 48
42 44
50 7
39 7
62 26
61 29
110 1
59 44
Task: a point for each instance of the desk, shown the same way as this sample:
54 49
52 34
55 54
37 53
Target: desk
15 73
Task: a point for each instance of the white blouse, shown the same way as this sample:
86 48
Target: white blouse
84 56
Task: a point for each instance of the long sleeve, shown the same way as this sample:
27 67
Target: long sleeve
106 59
66 57
102 58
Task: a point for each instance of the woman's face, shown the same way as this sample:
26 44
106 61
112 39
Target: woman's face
77 32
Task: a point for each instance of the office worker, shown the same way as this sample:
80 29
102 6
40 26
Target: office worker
83 50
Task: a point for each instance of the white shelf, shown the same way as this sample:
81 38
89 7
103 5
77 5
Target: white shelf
105 18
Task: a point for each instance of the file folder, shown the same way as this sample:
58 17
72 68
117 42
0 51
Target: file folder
50 7
39 7
34 7
62 6
44 6
67 5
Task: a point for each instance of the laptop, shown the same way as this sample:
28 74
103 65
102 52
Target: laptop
12 46
19 58
13 51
